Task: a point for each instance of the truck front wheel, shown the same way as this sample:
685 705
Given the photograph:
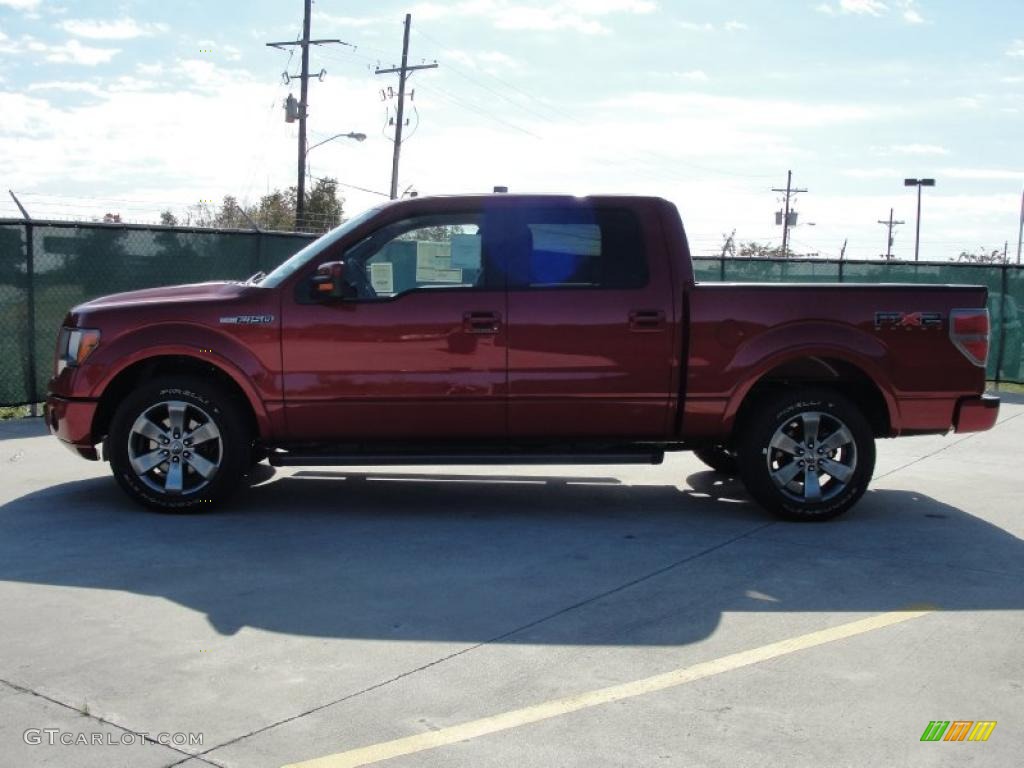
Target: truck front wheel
806 455
179 444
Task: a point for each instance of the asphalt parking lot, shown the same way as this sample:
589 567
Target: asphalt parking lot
606 616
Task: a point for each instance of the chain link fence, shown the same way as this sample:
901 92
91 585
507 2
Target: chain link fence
46 267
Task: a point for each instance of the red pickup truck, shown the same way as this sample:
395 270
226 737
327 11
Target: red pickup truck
514 329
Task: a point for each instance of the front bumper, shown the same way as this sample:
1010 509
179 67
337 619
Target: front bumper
976 414
71 422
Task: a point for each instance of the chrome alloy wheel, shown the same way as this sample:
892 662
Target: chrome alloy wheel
812 457
175 448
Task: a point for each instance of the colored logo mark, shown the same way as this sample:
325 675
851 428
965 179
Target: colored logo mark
958 730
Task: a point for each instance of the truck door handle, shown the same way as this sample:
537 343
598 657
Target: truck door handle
641 320
481 322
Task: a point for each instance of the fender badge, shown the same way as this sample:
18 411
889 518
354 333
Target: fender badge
908 320
247 320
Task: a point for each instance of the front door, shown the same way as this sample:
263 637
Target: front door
417 353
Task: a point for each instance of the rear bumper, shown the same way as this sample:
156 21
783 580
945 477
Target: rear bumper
71 422
976 414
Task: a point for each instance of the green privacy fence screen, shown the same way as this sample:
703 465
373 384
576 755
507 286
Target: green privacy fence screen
48 267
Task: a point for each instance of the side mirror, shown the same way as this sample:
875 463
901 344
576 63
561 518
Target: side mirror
329 282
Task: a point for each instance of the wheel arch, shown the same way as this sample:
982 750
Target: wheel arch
829 369
136 372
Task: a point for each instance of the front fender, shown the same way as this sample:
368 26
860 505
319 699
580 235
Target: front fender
208 345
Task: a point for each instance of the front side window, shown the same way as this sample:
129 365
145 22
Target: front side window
424 253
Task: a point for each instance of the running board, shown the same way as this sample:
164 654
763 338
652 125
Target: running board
293 459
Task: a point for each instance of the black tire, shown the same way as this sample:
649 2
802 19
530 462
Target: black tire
196 402
719 458
787 419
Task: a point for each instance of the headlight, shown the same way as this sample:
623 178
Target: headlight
74 345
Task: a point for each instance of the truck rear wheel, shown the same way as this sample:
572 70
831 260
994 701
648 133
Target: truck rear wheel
806 455
179 445
719 458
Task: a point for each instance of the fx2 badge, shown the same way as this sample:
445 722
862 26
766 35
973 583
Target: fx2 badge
247 320
908 320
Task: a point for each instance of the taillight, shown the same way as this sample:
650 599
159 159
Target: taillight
969 332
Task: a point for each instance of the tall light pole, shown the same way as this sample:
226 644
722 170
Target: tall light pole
918 183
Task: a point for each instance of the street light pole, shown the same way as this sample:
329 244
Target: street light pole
356 136
918 183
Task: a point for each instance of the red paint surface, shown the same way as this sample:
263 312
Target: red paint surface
560 363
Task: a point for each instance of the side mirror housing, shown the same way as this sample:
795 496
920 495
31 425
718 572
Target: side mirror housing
329 282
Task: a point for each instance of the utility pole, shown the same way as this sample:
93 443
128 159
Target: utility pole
403 75
1020 235
305 42
891 224
785 216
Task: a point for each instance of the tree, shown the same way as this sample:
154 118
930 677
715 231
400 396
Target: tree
982 256
323 206
755 250
274 211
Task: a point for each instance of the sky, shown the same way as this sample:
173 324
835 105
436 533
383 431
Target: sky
136 107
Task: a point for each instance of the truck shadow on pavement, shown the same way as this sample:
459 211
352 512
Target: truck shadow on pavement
475 558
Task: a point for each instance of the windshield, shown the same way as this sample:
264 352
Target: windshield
307 254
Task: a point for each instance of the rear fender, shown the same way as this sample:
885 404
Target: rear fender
775 348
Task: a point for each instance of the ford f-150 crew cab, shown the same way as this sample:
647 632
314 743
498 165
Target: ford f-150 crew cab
514 329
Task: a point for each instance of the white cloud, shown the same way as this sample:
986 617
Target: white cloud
68 87
577 15
1012 79
870 7
695 27
346 21
693 75
774 113
489 61
982 174
119 29
913 149
707 26
1016 49
908 9
20 5
968 102
872 173
72 52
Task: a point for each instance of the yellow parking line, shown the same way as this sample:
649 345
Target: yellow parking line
557 707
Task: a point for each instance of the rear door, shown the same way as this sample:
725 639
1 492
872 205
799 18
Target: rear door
590 308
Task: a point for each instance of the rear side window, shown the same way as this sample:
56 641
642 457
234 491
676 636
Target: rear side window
584 248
